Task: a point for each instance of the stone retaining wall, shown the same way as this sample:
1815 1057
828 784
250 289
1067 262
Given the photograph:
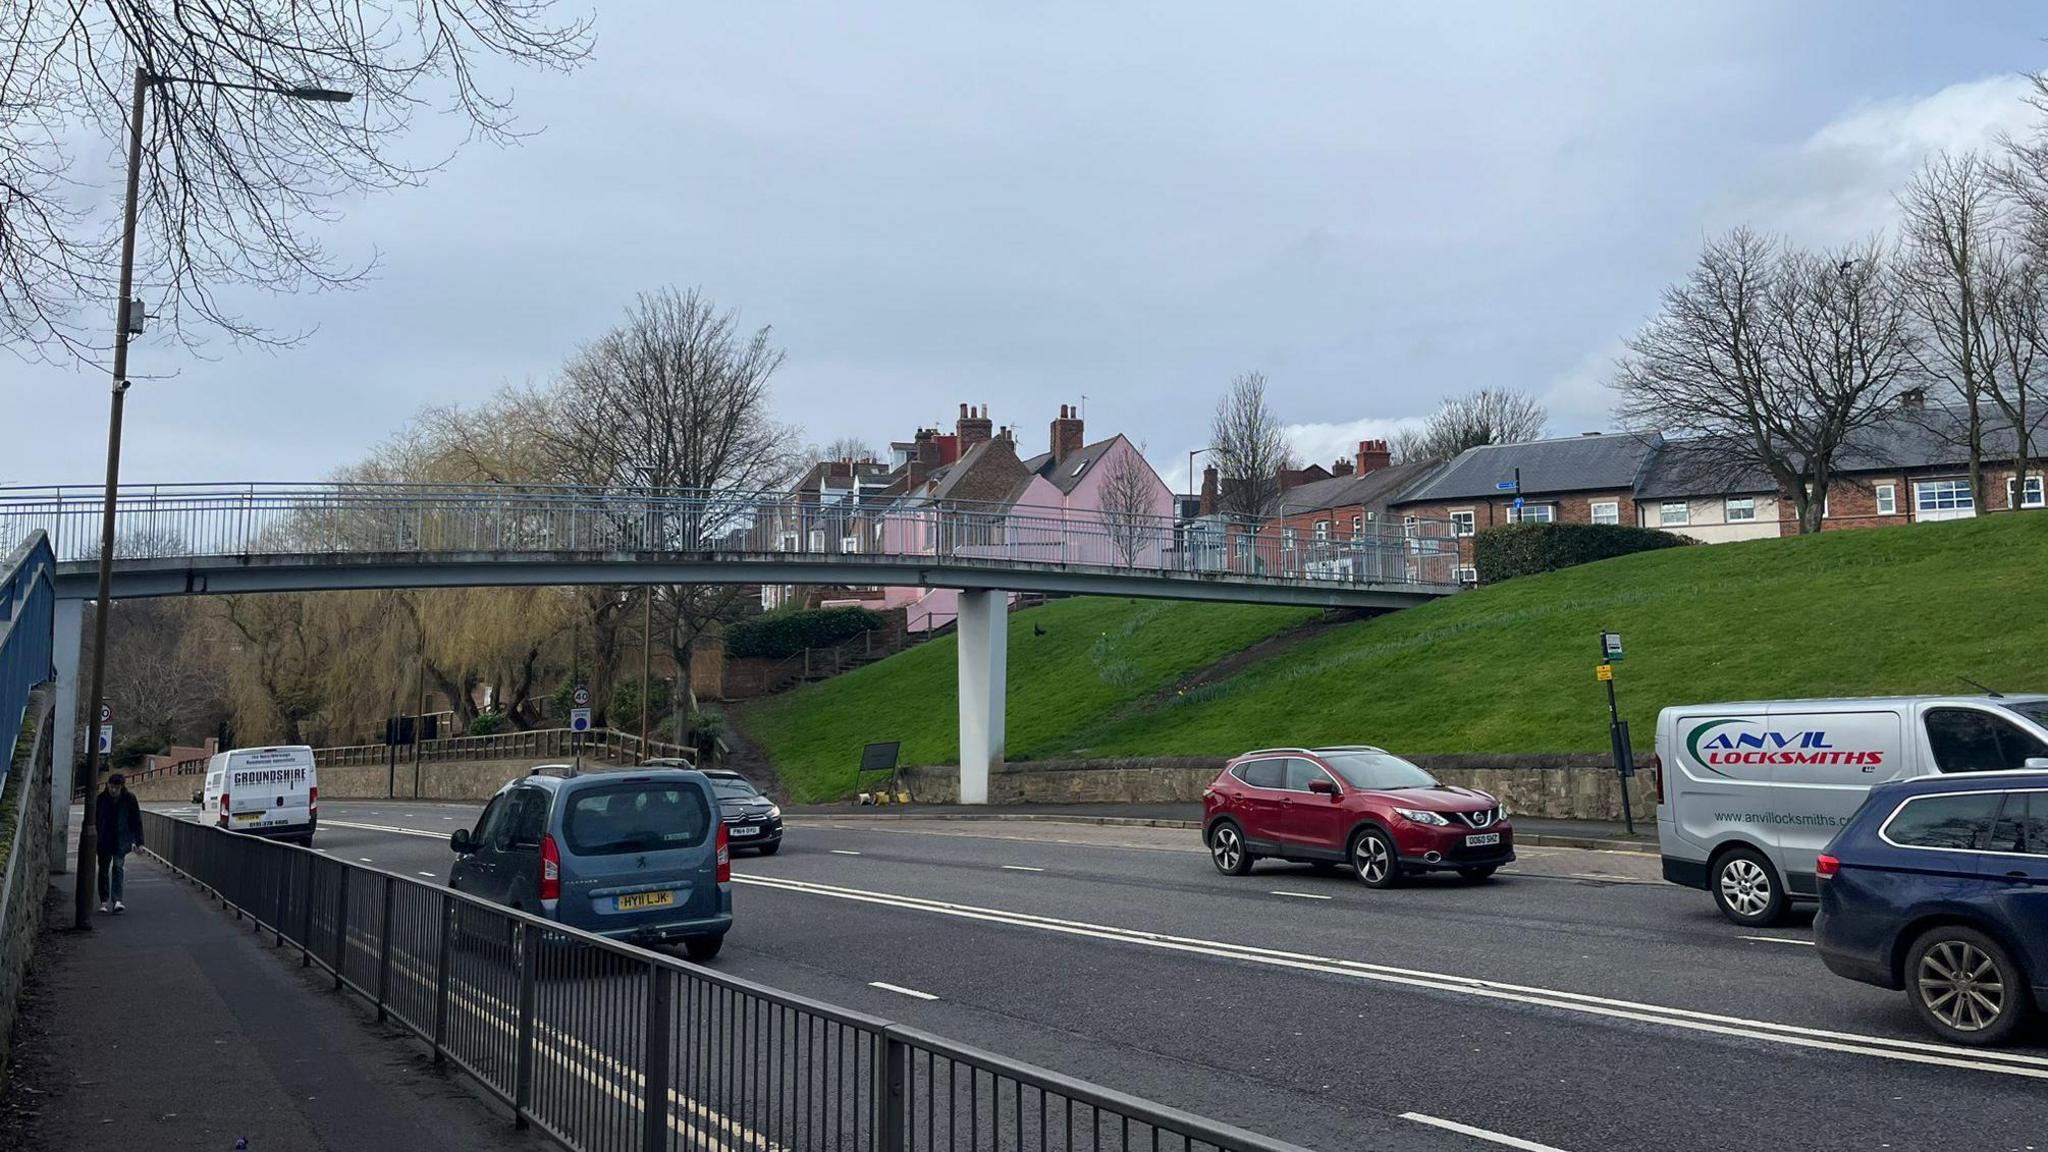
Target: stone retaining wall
25 862
1572 786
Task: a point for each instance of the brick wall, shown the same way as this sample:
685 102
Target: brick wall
1852 501
1572 508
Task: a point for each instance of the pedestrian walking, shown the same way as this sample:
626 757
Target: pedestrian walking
117 819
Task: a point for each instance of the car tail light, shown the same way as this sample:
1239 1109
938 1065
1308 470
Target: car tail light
550 869
724 855
313 799
1826 866
223 808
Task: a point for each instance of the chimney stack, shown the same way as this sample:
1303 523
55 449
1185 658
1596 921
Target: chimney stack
1340 467
1913 399
973 427
1208 505
1373 455
1066 433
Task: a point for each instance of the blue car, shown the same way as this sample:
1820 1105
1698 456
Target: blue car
1939 886
638 856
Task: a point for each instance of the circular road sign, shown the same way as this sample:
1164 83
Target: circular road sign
106 712
581 696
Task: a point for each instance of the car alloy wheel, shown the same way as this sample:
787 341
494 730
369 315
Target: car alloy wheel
1372 856
1965 986
1746 886
1226 848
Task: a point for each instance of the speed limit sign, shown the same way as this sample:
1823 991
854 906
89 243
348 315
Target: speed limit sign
581 696
106 712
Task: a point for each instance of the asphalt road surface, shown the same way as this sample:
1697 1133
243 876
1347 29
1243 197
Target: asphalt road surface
1575 1004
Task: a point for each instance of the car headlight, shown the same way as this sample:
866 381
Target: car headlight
1500 813
1417 816
775 811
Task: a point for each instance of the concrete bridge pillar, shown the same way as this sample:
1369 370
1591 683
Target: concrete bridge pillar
64 652
983 629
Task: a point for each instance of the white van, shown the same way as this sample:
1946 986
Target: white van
1750 793
267 791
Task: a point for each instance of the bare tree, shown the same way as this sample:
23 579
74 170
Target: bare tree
676 398
1773 360
2016 335
1250 448
1130 511
236 177
1951 212
842 448
1488 416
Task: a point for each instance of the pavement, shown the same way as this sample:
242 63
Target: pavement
1575 1002
1612 836
173 1027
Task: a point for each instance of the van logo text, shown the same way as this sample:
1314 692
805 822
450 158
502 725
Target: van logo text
1715 742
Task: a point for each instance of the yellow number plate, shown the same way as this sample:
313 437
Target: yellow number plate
639 900
245 817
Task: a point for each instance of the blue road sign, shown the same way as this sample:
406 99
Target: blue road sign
1518 501
1504 486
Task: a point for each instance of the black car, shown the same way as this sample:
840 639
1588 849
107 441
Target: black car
1939 887
751 819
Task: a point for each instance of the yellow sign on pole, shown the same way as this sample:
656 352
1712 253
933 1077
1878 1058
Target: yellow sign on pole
1603 672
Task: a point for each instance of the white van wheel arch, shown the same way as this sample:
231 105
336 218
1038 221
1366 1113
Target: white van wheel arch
1747 887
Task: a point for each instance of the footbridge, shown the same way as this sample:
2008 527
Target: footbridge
233 539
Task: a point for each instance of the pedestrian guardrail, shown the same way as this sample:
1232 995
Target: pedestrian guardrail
603 744
498 520
28 604
608 1048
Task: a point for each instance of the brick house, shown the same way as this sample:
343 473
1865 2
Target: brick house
1588 479
1350 504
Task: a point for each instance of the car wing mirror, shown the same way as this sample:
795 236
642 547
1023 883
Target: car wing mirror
1323 787
462 841
2036 763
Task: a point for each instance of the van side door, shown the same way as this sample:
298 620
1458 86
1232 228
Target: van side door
1823 764
477 873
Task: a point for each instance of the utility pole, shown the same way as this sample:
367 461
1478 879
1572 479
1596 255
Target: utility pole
646 644
128 318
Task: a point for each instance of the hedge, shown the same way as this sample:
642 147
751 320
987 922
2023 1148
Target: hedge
1525 549
780 634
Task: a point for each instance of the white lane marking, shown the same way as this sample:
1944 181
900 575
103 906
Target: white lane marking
384 828
1504 1141
901 990
447 817
1301 895
431 875
1776 940
1912 1051
1021 868
844 852
364 859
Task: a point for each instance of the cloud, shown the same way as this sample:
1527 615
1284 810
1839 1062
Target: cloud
1322 443
1838 184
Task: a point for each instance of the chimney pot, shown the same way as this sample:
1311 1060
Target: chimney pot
1208 502
1373 455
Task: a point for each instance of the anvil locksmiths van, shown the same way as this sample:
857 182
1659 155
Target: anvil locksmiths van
1751 793
268 791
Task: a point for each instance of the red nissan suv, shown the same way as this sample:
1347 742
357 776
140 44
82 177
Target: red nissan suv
1354 805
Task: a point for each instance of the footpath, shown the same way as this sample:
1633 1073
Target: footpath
1534 831
175 1027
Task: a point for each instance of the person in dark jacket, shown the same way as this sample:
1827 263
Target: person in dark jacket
117 821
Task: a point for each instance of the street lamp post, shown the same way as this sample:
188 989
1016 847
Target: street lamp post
127 321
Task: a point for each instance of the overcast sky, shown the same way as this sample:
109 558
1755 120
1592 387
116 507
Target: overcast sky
1376 205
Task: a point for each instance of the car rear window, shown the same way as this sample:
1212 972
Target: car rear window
733 788
635 818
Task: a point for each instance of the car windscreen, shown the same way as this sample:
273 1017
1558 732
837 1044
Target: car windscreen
635 818
2035 710
1377 770
733 788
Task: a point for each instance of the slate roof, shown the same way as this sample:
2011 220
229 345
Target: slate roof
1920 440
1568 464
1069 473
1381 486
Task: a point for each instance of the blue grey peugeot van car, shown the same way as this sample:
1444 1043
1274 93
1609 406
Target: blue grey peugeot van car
641 857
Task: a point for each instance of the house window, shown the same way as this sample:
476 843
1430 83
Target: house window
1532 514
1887 500
1287 539
1740 508
1463 523
1322 531
1467 574
1357 527
1952 497
1607 512
2034 494
1674 514
1408 527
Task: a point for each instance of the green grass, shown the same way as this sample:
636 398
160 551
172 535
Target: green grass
1502 669
1095 656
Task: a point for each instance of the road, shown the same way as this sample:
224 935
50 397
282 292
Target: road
1575 1004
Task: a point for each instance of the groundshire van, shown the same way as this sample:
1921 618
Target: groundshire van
267 791
1753 791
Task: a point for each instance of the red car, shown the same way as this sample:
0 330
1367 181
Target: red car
1357 806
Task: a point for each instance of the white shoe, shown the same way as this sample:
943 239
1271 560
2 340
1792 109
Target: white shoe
120 907
104 907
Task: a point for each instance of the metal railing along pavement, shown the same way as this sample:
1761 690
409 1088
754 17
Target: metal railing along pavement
232 520
608 1047
28 604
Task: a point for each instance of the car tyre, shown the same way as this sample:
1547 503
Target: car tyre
1965 985
702 948
771 849
1477 875
1227 849
1374 858
1748 889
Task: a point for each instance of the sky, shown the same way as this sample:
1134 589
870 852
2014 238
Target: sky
1119 206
